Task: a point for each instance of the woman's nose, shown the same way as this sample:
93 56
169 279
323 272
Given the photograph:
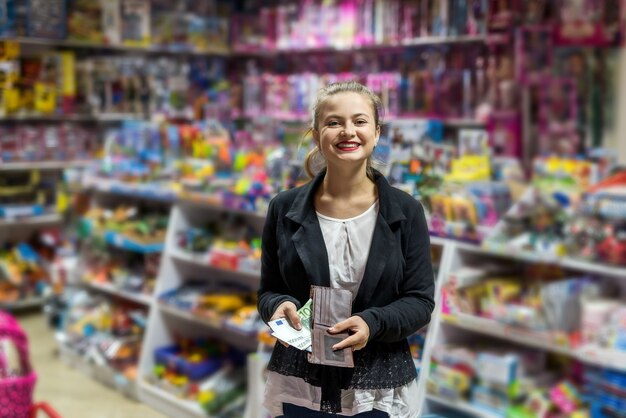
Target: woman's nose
348 130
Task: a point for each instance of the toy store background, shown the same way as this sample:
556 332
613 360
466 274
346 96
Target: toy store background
141 141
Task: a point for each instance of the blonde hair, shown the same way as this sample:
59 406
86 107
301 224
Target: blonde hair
314 160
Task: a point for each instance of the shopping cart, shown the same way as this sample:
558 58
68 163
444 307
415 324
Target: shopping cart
17 385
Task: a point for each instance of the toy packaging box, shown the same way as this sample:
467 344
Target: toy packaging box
111 22
7 18
588 22
534 53
135 19
505 134
47 19
84 20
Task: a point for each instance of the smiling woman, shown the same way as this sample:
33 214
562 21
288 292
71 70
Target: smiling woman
365 116
375 246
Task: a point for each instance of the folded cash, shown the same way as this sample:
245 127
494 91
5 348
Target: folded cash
283 330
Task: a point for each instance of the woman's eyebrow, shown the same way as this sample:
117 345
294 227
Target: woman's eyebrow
356 115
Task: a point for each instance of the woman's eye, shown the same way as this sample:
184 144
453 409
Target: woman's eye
361 122
333 123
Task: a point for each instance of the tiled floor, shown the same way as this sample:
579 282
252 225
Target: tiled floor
69 391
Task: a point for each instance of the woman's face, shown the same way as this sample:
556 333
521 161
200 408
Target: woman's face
346 132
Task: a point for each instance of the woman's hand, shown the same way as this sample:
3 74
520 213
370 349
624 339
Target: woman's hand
289 311
357 327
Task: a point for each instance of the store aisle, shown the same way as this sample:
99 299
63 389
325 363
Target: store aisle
69 391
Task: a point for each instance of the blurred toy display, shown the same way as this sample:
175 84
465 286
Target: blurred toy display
545 302
468 212
202 370
35 267
182 26
360 23
597 232
48 142
27 193
494 112
536 222
227 244
126 221
518 383
105 333
61 83
222 304
125 271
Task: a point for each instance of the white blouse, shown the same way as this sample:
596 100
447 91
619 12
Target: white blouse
348 243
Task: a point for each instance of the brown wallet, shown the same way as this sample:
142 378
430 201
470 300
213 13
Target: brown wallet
329 307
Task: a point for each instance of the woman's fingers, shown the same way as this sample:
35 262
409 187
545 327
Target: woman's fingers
359 329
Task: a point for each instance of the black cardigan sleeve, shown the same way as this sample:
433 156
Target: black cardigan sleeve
412 310
273 290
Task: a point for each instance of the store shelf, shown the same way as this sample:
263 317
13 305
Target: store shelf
142 299
210 203
507 332
239 339
450 122
44 165
100 373
158 192
70 44
51 218
423 41
23 304
202 261
602 357
73 117
531 257
437 241
590 354
462 406
595 268
168 404
464 123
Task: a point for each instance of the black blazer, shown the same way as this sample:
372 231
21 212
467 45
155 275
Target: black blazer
395 297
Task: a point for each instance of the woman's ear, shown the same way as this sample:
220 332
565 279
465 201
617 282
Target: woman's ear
316 137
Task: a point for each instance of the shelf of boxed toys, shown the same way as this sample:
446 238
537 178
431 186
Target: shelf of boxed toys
71 117
43 165
462 406
203 261
164 193
503 331
534 257
306 118
242 340
51 218
159 192
168 404
216 203
422 41
160 50
110 289
100 373
589 354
